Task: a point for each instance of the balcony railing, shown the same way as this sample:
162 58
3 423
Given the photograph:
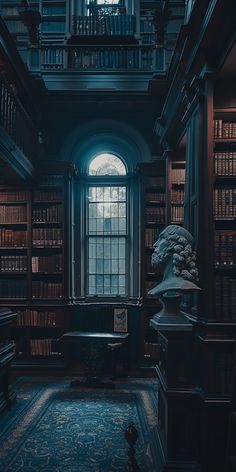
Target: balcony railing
97 58
15 120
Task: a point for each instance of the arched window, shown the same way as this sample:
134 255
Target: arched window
107 164
107 237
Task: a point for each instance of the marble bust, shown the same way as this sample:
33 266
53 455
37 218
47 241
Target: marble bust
174 254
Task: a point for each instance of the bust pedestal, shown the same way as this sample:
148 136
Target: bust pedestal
170 317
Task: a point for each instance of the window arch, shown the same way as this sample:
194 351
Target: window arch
107 234
106 164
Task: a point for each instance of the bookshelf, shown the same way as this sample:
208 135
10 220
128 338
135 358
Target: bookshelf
14 244
153 222
224 209
37 333
34 263
54 20
47 239
175 174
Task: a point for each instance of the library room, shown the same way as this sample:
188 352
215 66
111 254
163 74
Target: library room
117 236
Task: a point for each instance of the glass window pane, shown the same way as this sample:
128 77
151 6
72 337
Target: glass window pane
121 290
114 194
107 249
121 251
92 225
114 280
114 266
92 280
122 193
100 225
107 266
99 266
92 210
107 281
92 266
121 266
92 250
107 255
106 164
122 210
114 210
122 225
107 225
114 225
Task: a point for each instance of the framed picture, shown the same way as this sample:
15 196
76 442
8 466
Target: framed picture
120 320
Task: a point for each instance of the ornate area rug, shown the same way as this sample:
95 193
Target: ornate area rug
55 428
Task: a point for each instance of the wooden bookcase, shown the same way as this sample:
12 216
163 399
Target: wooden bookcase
14 244
224 203
34 258
175 185
153 219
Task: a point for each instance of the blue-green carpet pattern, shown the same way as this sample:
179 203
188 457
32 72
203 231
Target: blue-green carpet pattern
55 428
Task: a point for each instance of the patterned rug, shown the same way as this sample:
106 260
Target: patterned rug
55 428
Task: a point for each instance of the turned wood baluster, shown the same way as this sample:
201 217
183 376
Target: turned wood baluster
131 436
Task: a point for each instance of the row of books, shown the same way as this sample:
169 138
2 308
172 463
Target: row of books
155 215
178 176
47 263
13 196
13 214
224 202
10 289
43 319
11 238
156 197
14 263
225 247
225 298
119 57
43 290
54 10
52 213
225 163
151 236
177 195
47 236
53 56
148 39
45 347
50 195
224 129
117 25
177 214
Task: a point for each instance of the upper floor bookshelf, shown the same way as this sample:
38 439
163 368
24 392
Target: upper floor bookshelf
92 35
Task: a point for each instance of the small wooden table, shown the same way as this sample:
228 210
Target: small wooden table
96 353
